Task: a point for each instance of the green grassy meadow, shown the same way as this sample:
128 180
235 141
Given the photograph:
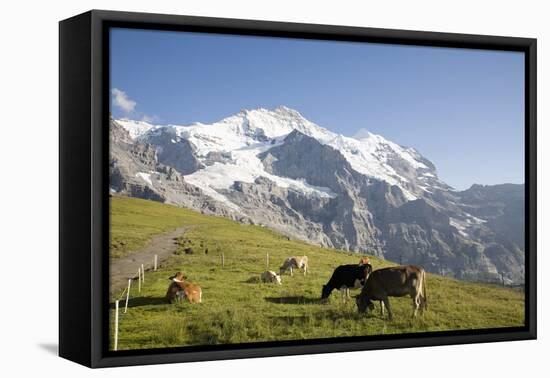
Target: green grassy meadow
237 308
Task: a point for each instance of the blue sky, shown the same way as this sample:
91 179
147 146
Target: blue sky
462 109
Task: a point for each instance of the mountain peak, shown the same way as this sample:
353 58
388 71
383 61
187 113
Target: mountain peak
281 112
276 123
284 110
362 134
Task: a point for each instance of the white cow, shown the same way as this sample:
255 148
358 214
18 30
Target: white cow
270 276
294 262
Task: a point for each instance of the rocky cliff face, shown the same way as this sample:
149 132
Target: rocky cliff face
174 151
367 194
346 218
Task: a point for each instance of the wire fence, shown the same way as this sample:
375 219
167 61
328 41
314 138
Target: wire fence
126 292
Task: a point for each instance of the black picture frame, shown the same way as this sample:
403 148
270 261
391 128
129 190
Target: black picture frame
83 182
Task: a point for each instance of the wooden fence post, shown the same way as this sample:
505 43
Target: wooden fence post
139 280
116 326
127 295
156 261
223 260
267 260
142 274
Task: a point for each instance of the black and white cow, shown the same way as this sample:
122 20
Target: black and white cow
346 277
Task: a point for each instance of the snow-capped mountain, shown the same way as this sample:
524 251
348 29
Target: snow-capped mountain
250 132
278 169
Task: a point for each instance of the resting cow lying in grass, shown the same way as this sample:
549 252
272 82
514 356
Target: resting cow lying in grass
270 276
180 289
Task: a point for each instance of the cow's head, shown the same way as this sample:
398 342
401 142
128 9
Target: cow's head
179 276
363 303
278 279
367 270
325 292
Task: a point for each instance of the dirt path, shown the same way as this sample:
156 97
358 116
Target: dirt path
123 268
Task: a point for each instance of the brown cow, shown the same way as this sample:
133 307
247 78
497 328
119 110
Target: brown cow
397 281
180 288
364 261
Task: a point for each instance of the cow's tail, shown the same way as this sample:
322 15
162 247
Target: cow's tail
424 292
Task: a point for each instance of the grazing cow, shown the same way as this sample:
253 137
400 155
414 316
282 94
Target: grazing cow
364 261
346 277
270 276
396 281
294 262
180 289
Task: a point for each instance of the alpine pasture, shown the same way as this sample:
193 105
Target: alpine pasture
237 308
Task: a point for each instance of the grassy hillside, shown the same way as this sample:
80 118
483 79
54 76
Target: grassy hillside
134 222
237 308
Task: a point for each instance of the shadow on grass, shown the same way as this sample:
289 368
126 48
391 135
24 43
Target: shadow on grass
141 301
299 299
